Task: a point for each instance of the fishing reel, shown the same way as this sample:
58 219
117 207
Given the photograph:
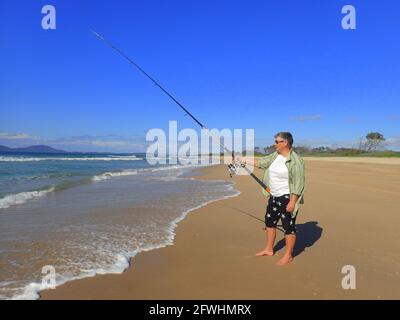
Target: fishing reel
233 168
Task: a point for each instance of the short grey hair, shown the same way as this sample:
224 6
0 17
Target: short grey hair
287 136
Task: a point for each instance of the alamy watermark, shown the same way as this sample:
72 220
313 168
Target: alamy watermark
186 146
349 20
49 20
49 278
349 280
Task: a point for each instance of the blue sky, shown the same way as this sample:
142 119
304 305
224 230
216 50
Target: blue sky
267 65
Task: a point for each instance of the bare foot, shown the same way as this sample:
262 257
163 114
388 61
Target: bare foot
265 252
284 260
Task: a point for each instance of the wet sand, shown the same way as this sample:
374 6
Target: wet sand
350 217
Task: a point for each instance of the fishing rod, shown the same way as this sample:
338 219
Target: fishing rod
278 227
233 169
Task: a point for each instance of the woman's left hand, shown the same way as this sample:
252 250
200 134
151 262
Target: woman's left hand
290 206
239 159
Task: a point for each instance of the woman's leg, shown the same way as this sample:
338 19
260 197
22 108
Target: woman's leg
289 224
290 240
269 248
271 220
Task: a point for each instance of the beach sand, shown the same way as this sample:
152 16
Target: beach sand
350 217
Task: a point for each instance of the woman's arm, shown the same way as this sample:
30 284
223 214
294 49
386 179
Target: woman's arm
262 163
248 160
298 185
292 202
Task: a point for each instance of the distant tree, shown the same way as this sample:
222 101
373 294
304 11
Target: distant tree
347 151
321 149
374 141
302 149
361 144
270 149
256 149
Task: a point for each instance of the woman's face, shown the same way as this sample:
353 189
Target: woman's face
280 144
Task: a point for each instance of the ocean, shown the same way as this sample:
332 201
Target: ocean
88 214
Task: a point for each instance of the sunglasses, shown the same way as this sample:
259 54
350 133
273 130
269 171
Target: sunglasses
276 141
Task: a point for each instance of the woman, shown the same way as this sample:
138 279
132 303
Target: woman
284 176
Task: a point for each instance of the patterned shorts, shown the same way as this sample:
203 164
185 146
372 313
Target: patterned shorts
276 209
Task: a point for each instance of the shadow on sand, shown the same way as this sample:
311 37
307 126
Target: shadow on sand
307 234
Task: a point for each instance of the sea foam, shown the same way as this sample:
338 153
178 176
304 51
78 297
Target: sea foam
31 159
22 197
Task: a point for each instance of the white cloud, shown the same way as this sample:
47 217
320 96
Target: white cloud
394 117
393 142
304 118
327 143
15 136
352 120
100 143
108 143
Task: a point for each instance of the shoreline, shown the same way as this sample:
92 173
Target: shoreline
212 256
108 237
197 173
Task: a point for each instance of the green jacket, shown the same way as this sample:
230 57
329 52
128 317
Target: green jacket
296 169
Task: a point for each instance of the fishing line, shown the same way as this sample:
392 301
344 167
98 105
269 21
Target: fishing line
233 169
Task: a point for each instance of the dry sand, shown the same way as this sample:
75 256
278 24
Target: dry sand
351 216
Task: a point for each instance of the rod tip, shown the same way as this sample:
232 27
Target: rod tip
96 34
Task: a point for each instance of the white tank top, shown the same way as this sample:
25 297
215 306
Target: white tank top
279 177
